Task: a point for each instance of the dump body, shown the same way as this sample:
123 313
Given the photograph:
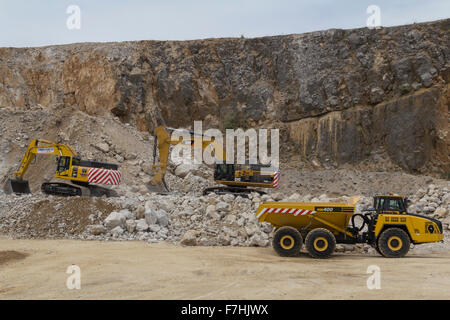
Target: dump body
308 215
334 216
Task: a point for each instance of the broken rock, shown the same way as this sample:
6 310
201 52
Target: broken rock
115 219
96 229
189 238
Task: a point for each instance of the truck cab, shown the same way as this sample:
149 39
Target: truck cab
390 204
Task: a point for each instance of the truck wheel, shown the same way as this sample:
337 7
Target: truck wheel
287 241
393 243
320 243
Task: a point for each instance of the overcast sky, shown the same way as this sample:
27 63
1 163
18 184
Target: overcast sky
26 23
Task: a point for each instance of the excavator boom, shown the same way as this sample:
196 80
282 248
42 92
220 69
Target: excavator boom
163 141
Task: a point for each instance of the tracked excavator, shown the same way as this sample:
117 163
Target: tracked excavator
84 175
237 179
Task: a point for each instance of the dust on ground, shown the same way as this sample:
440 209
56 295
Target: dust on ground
9 255
138 270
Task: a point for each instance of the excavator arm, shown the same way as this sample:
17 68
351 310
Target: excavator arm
163 141
42 147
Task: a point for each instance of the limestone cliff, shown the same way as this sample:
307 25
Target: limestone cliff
339 95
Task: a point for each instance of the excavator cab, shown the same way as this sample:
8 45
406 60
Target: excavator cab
63 164
225 172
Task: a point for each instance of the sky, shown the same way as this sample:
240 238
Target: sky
28 23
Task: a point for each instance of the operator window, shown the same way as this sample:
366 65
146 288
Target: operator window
64 163
393 204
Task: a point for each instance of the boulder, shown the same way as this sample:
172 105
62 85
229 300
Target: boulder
222 207
141 225
250 230
257 241
228 197
183 169
441 212
224 240
151 216
162 218
117 231
150 205
115 219
189 238
96 229
130 225
131 156
154 228
211 212
140 212
102 146
348 247
127 214
446 199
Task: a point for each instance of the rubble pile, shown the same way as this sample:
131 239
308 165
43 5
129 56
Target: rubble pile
189 219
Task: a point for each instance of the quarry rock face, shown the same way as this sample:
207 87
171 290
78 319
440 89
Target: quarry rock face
340 95
405 128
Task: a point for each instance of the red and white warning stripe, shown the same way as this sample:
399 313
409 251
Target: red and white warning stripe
104 176
276 180
295 212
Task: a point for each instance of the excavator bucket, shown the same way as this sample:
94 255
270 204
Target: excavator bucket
159 186
156 189
17 186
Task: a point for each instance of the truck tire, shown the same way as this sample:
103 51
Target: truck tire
287 241
320 243
393 243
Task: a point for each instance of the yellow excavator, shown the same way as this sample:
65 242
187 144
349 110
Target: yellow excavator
83 174
237 179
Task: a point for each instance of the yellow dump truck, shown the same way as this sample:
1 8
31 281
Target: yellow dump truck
320 225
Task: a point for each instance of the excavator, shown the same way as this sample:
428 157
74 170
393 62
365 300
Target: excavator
83 174
237 179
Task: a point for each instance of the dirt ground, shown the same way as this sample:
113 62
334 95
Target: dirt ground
138 270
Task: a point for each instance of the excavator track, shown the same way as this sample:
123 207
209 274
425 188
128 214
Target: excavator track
237 191
60 189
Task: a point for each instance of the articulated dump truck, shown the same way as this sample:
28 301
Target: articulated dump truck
387 227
